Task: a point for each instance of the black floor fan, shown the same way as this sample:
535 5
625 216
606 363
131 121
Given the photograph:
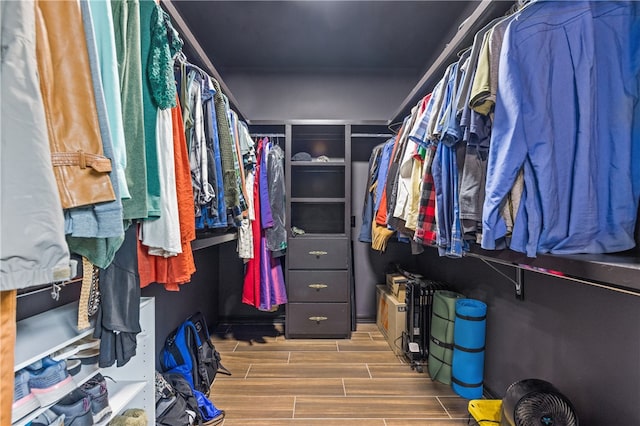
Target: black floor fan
534 402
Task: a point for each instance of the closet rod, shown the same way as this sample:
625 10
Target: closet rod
267 135
53 288
469 26
372 135
565 277
186 33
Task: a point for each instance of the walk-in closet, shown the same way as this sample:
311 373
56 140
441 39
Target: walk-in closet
310 212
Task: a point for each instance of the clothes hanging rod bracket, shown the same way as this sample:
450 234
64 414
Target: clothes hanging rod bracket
518 282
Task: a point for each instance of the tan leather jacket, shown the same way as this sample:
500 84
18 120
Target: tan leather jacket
80 168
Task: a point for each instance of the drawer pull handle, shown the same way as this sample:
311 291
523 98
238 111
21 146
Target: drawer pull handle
318 253
318 319
318 286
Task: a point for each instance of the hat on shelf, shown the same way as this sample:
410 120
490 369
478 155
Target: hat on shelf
301 156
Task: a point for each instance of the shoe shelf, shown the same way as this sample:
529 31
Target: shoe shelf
132 385
86 372
45 333
120 395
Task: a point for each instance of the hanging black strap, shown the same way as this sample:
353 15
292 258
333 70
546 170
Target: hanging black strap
441 317
460 348
468 318
441 343
465 384
438 359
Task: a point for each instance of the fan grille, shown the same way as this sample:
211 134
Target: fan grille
544 409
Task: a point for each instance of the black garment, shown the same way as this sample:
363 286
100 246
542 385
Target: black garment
118 320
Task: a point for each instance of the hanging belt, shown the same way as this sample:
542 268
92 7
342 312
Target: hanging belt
99 163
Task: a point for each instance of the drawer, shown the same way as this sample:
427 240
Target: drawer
318 253
318 286
318 320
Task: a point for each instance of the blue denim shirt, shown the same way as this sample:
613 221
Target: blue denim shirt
383 172
567 109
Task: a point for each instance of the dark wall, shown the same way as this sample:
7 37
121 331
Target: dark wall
583 339
201 294
287 96
230 306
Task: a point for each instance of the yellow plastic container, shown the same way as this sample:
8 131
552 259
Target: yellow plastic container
486 412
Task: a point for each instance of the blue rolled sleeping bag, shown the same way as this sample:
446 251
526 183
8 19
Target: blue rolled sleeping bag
468 348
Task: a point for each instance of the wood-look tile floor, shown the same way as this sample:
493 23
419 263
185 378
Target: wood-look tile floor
312 382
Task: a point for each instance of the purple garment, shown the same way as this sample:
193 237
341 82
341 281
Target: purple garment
272 289
265 206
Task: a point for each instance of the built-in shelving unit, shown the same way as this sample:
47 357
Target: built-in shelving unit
132 385
318 266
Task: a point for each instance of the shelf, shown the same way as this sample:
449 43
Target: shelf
45 333
120 394
621 270
204 242
87 372
48 332
372 135
317 200
332 163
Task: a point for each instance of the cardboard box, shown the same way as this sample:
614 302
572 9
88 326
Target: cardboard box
397 284
391 318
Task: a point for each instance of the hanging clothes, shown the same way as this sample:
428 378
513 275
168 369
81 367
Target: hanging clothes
118 317
578 99
126 23
264 286
214 214
33 250
176 270
369 201
162 234
149 108
276 234
96 232
80 167
229 176
102 19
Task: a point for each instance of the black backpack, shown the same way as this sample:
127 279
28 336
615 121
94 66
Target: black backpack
177 404
172 408
188 351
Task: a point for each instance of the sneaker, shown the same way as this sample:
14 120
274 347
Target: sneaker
49 380
48 418
89 356
96 389
76 407
87 342
24 401
74 366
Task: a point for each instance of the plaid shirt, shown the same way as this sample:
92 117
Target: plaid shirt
426 230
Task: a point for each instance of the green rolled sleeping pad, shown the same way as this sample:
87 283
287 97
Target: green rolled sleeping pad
443 314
